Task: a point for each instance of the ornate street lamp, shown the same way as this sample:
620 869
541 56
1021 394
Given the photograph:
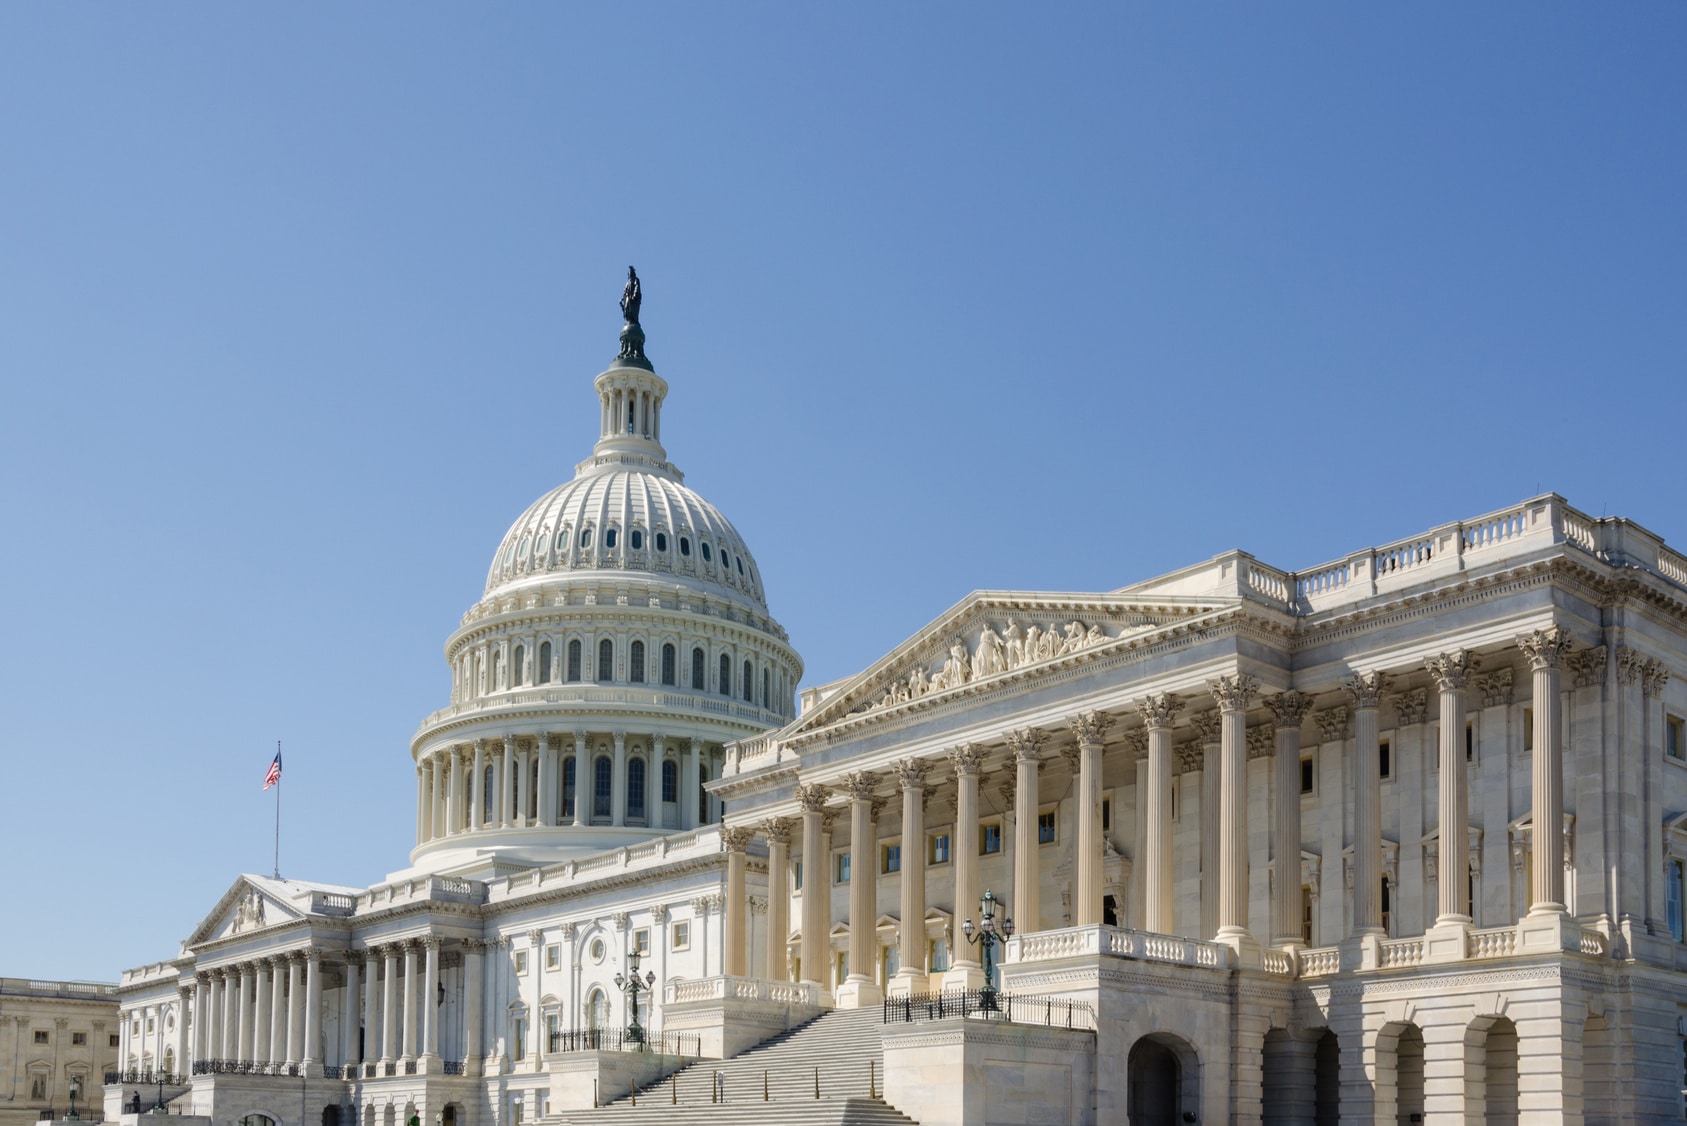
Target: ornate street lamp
634 986
987 935
75 1089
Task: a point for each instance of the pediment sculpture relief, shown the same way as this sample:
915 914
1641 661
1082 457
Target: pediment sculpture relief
249 912
996 652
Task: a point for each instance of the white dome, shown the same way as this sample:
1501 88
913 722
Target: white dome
619 517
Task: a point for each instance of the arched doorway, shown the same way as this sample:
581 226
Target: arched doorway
1490 1058
1326 1081
1408 1076
1163 1081
597 1010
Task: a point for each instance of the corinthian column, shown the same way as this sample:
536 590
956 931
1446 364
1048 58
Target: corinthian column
310 1060
430 986
734 840
247 984
278 1010
1232 694
1026 746
473 971
1088 731
1365 690
261 1015
1452 673
815 910
911 934
506 786
213 1017
618 782
295 1008
1544 649
477 808
585 787
408 1051
389 1005
547 784
1159 711
860 990
778 831
968 761
1288 709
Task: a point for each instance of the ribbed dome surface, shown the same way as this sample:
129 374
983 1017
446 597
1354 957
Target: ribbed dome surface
626 519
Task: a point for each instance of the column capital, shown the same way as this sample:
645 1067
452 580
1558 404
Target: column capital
777 830
1365 689
620 738
1289 709
659 913
858 785
479 745
1159 709
910 773
1207 727
1026 743
620 920
1653 677
1333 724
1452 671
1090 728
735 838
1495 688
812 796
1412 706
431 942
1544 648
544 740
1233 693
967 759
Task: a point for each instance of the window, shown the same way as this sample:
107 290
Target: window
78 1037
585 537
661 541
635 663
891 960
840 868
1306 913
113 1040
682 936
641 941
638 540
937 955
697 681
521 961
520 1048
684 545
570 789
1107 813
553 956
1387 908
41 1035
890 857
1385 760
545 663
706 556
1470 742
603 783
1528 730
38 1083
937 848
1673 898
842 961
739 563
766 690
1045 827
990 838
670 780
635 788
668 665
574 659
796 878
1308 776
725 675
518 665
1675 738
609 538
606 660
749 684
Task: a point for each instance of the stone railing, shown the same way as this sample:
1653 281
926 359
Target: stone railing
447 888
1278 963
742 989
1494 942
673 700
1397 952
1595 942
39 988
1320 961
1119 942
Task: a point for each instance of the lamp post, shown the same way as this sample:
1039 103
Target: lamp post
159 1107
987 935
75 1089
634 985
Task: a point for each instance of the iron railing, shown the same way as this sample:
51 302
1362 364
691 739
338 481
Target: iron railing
1054 1012
244 1067
616 1040
135 1077
454 1067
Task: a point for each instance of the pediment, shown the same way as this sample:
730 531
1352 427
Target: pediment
996 636
245 908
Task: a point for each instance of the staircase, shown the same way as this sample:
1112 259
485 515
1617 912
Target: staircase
840 1047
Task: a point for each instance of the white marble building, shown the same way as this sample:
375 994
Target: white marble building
1213 803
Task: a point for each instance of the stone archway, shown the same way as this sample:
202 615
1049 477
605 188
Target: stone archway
1326 1080
1399 1073
1300 1078
1490 1070
1163 1081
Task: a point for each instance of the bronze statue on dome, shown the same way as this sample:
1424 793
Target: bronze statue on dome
631 296
632 335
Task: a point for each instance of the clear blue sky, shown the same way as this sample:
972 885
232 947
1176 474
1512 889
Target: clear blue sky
300 306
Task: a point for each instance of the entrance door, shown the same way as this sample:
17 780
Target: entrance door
1153 1085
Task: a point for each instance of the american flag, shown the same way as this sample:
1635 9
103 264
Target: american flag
273 774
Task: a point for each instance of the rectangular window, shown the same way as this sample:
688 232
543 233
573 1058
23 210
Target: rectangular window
937 848
1673 897
1385 760
553 955
520 1040
990 838
890 857
937 955
1387 908
682 936
891 961
114 1040
41 1035
516 1107
1306 914
641 941
38 1088
841 967
1528 730
1045 827
840 868
1107 814
1675 738
796 875
1469 742
1308 775
78 1037
521 961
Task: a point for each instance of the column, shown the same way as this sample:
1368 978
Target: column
521 783
859 990
582 783
1451 672
430 990
263 1014
968 761
1025 906
228 1021
243 1048
1288 709
310 1060
424 829
213 1018
1159 712
816 888
389 1005
778 831
1207 726
692 783
474 956
653 811
911 933
408 1049
477 802
547 798
441 824
1232 694
349 1017
1365 690
735 839
278 1010
618 782
184 1006
200 1019
1088 731
295 1008
1545 649
369 1048
506 786
459 796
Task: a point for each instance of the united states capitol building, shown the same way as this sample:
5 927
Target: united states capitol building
1399 837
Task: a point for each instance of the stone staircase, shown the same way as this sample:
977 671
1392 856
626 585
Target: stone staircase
840 1050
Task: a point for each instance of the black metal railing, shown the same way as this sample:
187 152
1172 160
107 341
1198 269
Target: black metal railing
616 1040
1054 1012
144 1078
389 1069
453 1067
409 1067
334 1070
244 1067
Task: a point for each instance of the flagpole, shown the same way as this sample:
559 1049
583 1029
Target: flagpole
277 872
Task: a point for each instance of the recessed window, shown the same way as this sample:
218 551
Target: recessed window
641 941
1470 742
562 539
113 1040
609 538
725 675
661 541
1308 776
78 1037
38 1085
796 875
668 656
697 677
937 848
670 780
1045 827
1675 893
937 955
40 1036
990 838
606 660
685 545
638 540
706 556
521 961
739 563
890 858
1107 813
840 868
635 662
545 663
586 537
553 955
1528 730
682 936
1675 738
1385 760
574 659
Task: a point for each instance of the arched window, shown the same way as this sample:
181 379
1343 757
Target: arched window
597 1010
725 675
661 541
606 659
702 794
603 787
767 689
530 792
517 671
638 540
749 684
568 787
668 665
609 538
635 663
574 659
707 558
486 811
635 788
497 669
697 670
545 663
670 780
585 537
685 545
